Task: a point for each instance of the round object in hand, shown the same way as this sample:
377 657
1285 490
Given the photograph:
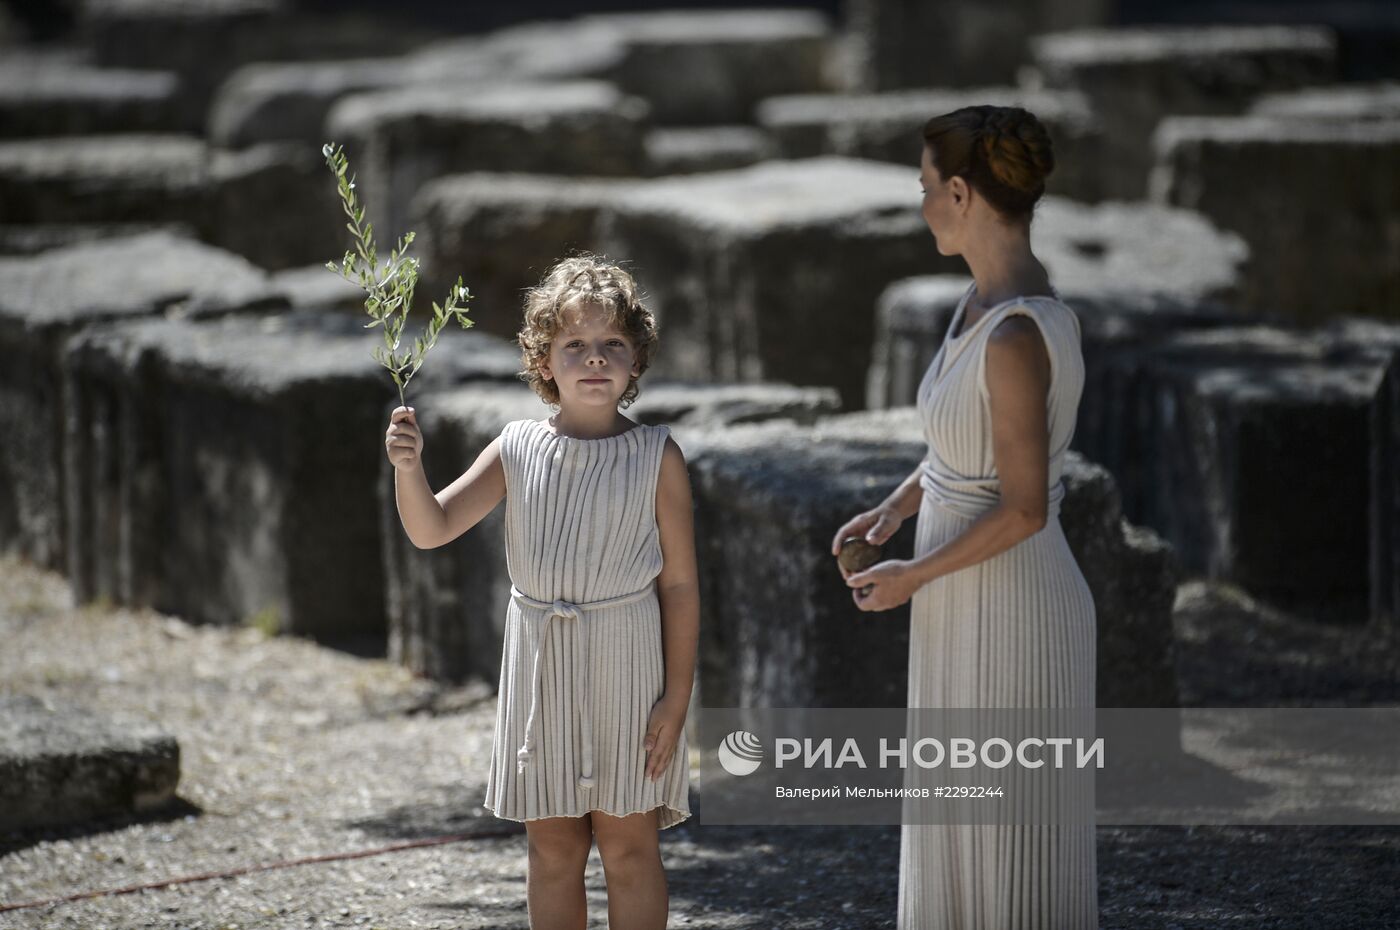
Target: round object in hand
857 555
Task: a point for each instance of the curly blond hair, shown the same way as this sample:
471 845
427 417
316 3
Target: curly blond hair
583 278
1004 153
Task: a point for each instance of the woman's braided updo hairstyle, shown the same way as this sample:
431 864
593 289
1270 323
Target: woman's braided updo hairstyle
1004 153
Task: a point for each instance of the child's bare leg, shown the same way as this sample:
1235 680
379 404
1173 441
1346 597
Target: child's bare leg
631 855
554 893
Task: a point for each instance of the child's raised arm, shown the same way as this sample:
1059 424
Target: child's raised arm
433 520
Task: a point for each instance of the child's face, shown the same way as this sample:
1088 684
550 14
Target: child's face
590 359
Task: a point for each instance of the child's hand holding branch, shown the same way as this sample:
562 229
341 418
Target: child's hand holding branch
403 441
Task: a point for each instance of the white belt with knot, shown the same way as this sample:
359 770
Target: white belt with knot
970 497
575 612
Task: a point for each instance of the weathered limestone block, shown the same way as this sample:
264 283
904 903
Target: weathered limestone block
914 315
204 41
104 179
1384 523
704 406
709 67
398 140
708 148
501 233
46 298
201 40
61 764
33 238
1375 347
1258 176
889 127
226 470
59 94
1134 77
315 287
277 205
694 67
288 101
771 272
533 51
447 606
778 625
1231 439
954 43
1379 100
742 264
1367 31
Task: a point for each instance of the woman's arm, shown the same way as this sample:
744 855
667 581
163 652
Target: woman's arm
678 589
1018 383
435 520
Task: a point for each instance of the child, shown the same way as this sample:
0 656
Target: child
602 626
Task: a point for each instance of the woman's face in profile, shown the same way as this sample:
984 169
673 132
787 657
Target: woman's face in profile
938 207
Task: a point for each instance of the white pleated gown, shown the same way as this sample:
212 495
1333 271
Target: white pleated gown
583 550
1015 630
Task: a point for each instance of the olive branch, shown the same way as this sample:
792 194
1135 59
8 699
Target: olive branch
389 292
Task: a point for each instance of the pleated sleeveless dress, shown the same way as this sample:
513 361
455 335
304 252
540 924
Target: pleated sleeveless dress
582 664
1015 630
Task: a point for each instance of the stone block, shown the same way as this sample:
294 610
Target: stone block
63 764
707 148
778 626
104 179
712 67
1134 77
1379 100
771 272
33 238
315 287
1367 31
200 41
1229 439
59 94
288 101
277 205
889 127
398 140
447 606
501 233
205 41
1376 347
225 470
955 43
1317 251
914 315
46 298
742 264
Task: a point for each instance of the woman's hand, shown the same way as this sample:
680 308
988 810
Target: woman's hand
663 732
402 440
884 585
876 525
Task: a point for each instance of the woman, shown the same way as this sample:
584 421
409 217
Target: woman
1001 614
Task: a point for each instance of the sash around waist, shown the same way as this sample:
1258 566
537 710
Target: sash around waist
971 497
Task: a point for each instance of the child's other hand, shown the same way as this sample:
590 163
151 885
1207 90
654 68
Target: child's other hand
663 732
403 441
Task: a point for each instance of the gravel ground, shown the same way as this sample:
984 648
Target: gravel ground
290 749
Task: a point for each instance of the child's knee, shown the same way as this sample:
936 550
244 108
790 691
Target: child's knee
559 846
627 846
